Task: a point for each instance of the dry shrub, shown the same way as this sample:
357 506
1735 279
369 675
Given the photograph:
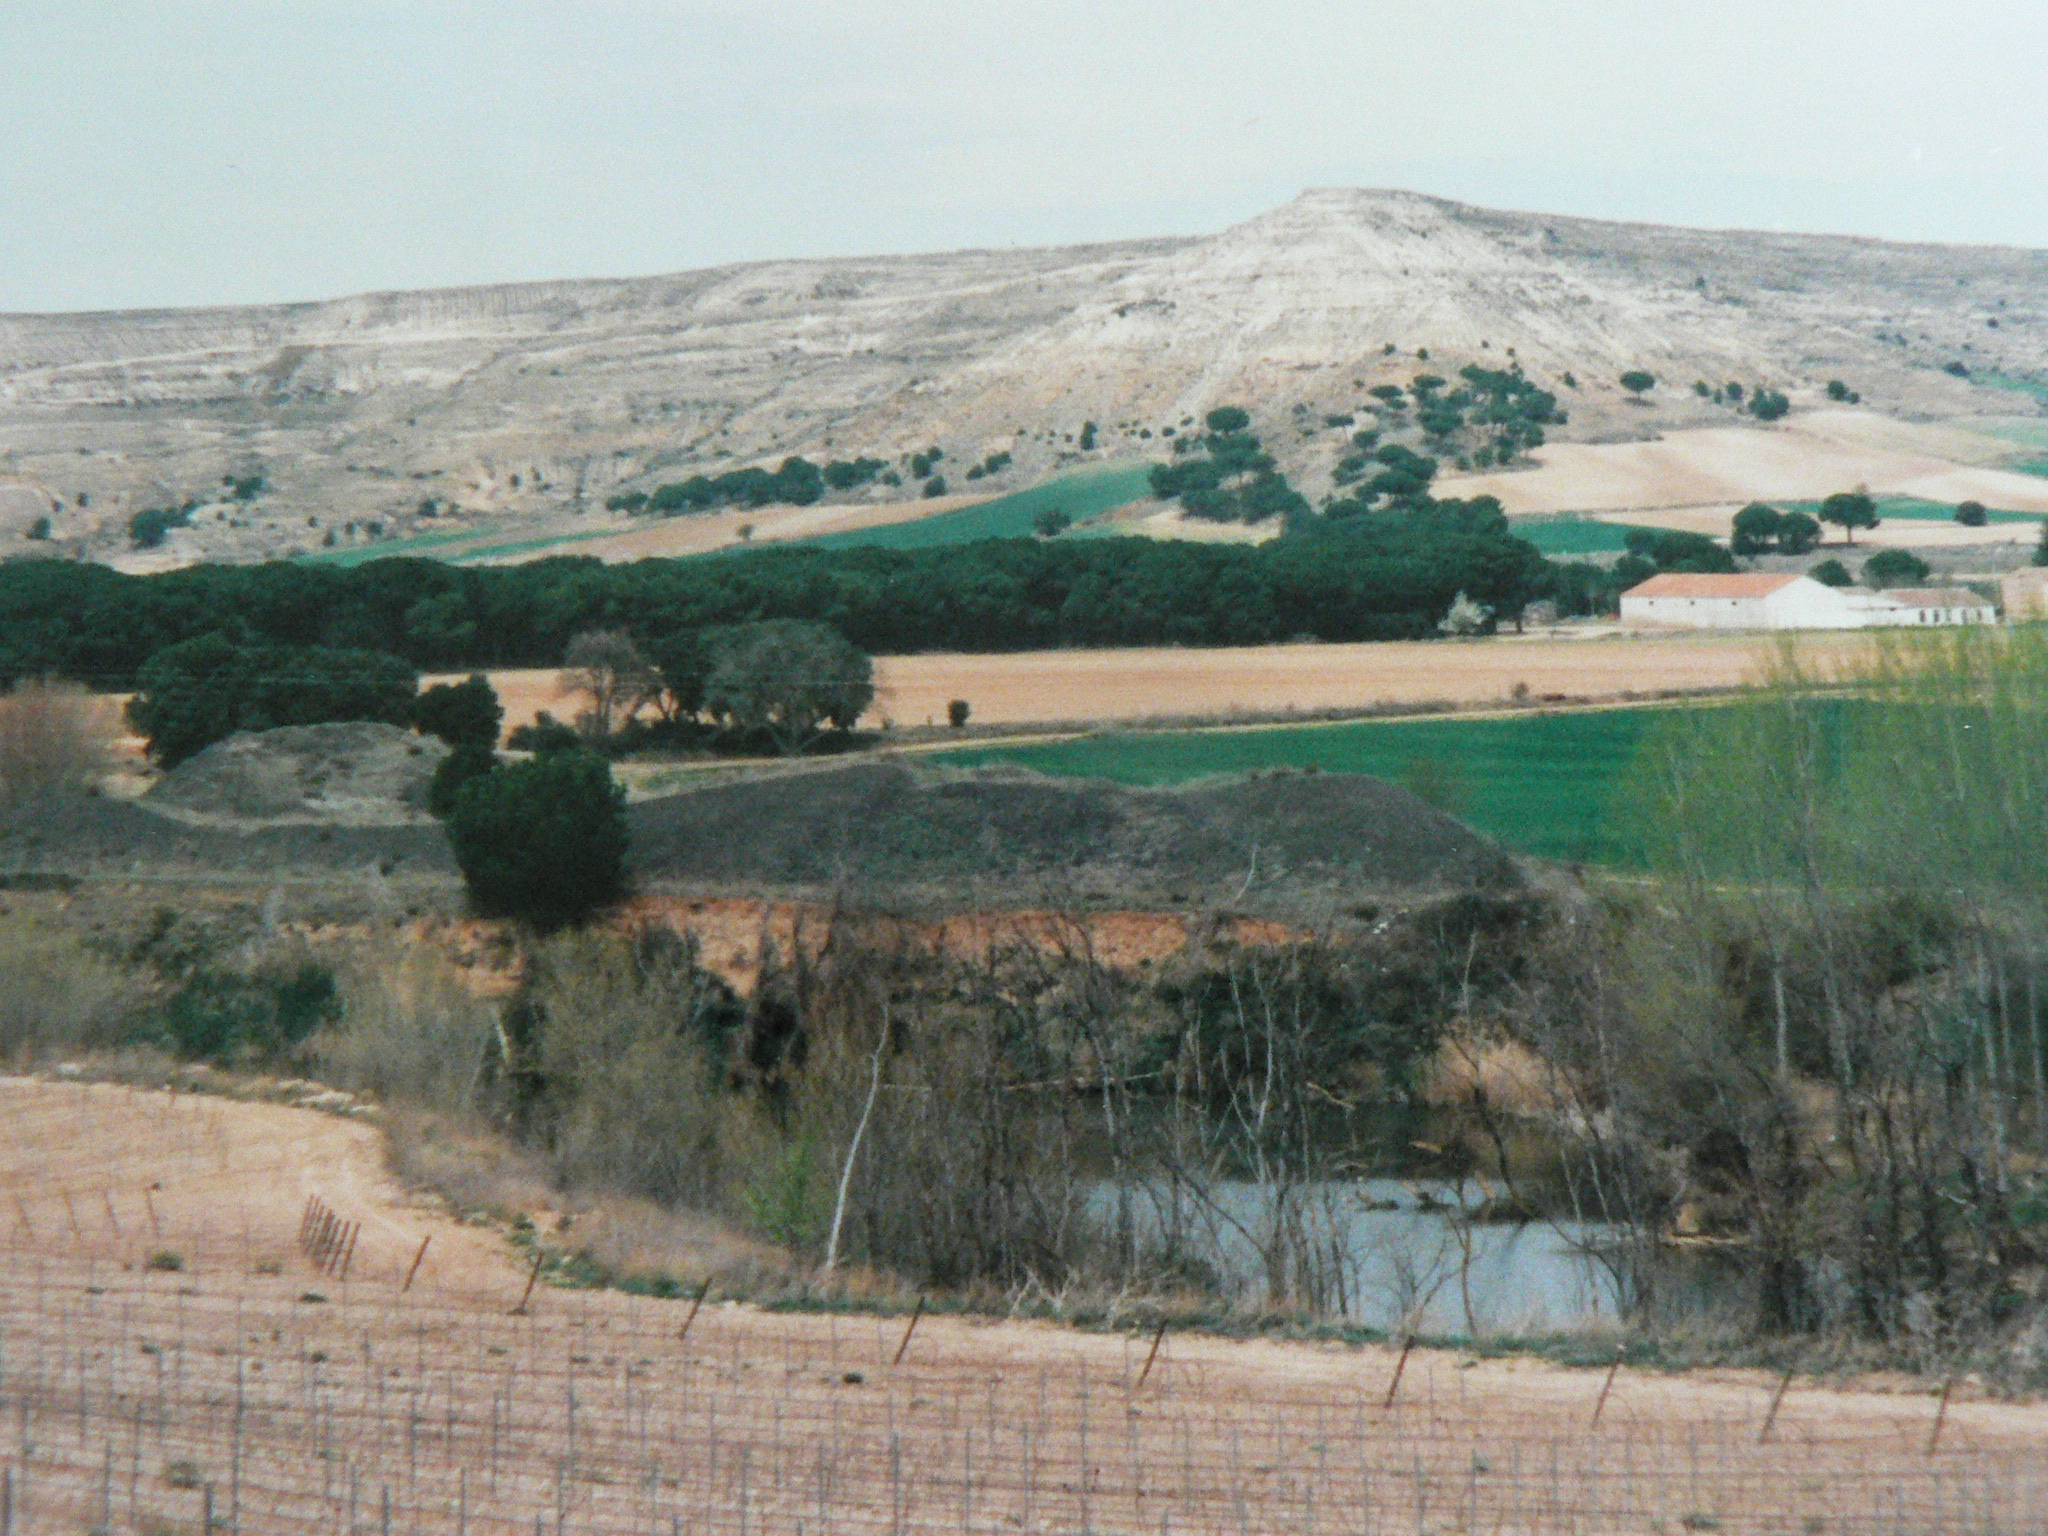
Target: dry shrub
411 1030
53 737
57 995
471 1166
1514 1079
628 1039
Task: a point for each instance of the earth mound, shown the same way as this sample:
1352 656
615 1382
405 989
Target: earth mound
1270 838
352 773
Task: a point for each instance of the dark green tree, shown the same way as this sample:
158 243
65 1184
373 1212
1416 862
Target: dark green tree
1798 533
1638 382
1972 514
542 841
1051 522
470 760
1849 510
1832 573
1755 529
464 713
203 690
1894 568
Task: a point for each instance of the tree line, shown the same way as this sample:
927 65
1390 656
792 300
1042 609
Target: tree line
1380 575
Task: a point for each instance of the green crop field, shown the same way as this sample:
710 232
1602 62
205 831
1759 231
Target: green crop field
1540 783
1556 536
1006 517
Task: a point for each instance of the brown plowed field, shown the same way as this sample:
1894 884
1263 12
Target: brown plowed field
1101 687
284 1399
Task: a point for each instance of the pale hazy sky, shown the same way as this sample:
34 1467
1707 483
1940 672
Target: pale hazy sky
165 152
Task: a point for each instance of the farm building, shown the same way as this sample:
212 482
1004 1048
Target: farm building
1757 601
1754 601
1939 605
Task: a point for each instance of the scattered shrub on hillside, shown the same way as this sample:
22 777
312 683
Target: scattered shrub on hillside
148 528
1638 382
543 841
38 530
204 690
1972 514
934 487
1767 404
1233 479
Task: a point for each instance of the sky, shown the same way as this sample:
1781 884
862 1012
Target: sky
161 153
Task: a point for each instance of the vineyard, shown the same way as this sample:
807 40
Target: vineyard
225 1310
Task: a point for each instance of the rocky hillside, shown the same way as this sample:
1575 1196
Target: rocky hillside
542 399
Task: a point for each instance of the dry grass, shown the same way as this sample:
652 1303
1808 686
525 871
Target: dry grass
54 737
1269 681
306 1400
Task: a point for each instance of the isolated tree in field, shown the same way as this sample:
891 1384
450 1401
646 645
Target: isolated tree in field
1894 568
203 690
608 669
787 679
1849 510
1756 529
957 711
1051 522
1972 514
1638 382
543 841
461 714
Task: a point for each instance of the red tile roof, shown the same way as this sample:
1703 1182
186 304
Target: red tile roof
1678 584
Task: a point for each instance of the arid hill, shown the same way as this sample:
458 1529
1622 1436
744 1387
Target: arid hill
535 400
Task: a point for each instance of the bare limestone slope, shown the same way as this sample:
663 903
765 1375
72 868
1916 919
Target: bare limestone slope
521 403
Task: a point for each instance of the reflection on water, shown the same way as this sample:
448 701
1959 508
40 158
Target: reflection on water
1406 1262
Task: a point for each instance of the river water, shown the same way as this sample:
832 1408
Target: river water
1408 1263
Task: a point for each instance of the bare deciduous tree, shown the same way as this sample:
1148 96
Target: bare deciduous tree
608 669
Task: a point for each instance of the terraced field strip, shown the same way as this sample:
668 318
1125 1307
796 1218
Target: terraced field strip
256 1386
1542 783
1079 496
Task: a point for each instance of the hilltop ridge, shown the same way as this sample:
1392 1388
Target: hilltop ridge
544 398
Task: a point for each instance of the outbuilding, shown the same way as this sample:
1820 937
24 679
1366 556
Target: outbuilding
1940 605
1677 600
1753 600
